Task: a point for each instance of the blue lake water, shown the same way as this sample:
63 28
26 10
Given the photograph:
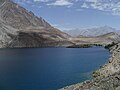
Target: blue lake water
48 68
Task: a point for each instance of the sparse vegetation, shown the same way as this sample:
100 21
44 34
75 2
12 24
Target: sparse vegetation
96 73
84 46
110 45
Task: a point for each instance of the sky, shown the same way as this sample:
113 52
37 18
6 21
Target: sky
72 14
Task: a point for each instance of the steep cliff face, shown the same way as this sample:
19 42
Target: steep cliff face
29 30
6 34
106 78
18 17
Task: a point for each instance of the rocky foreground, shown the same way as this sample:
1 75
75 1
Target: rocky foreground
106 78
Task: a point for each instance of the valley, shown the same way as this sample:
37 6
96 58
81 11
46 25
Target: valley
20 28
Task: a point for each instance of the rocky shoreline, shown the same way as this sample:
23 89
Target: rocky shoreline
106 78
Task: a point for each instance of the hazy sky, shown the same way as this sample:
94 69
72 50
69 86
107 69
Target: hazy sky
68 14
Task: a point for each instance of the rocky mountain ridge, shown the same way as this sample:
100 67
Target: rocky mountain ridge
29 30
21 28
103 39
98 31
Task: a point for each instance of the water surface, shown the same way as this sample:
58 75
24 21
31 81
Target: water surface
48 68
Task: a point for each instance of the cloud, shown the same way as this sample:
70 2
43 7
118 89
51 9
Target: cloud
67 3
61 3
85 5
111 6
108 6
93 1
42 0
56 2
22 2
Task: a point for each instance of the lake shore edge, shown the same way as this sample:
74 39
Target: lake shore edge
107 77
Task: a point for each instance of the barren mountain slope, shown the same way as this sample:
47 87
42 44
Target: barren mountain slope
32 30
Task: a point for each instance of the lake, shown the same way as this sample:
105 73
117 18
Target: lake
48 68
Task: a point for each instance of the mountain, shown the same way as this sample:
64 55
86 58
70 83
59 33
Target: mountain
102 39
21 28
92 31
6 34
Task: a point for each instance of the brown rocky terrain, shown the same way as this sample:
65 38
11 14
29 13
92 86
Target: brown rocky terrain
6 34
29 30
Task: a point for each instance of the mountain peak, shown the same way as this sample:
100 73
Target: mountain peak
21 28
97 31
18 17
